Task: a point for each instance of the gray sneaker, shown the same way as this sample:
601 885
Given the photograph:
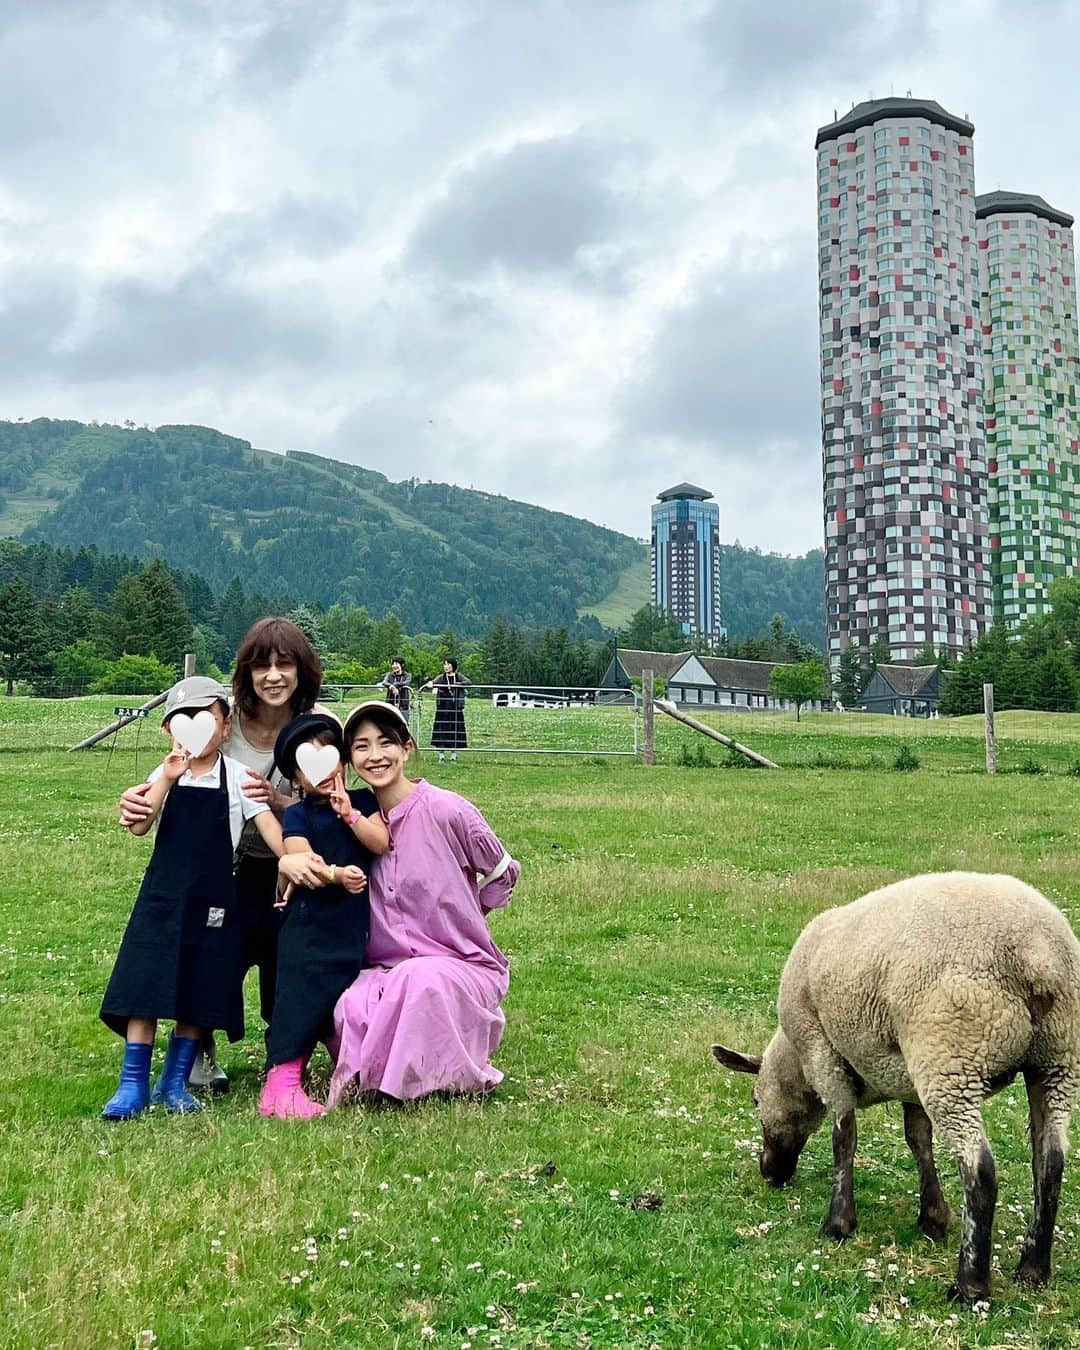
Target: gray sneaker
207 1075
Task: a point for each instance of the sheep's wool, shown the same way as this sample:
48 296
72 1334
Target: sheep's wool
937 988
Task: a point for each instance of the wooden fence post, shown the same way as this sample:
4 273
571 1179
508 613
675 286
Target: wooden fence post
189 665
648 752
991 744
666 706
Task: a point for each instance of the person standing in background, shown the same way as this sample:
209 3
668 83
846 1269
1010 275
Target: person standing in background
448 731
397 682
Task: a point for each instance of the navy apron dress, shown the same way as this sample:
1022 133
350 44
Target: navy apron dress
321 943
180 956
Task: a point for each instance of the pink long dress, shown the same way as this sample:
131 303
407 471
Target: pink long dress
424 1015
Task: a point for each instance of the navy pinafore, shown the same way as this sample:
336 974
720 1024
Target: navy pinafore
180 956
323 935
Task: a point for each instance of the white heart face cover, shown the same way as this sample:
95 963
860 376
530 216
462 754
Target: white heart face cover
317 762
193 733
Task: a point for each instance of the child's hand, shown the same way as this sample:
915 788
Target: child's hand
175 764
304 869
134 808
339 798
352 878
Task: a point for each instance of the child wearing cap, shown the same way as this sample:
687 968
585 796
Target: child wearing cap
179 959
324 933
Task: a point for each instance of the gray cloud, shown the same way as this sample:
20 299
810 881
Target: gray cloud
734 366
316 228
531 209
198 322
762 46
277 50
37 306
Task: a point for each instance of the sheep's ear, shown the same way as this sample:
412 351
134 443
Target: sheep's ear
733 1059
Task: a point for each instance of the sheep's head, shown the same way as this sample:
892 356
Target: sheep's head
788 1108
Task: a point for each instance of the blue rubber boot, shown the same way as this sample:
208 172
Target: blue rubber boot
171 1087
132 1096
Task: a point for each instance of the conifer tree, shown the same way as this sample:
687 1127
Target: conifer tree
307 620
22 634
169 623
1054 685
849 678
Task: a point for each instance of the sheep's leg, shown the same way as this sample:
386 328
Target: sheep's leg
840 1220
1049 1103
933 1211
962 1129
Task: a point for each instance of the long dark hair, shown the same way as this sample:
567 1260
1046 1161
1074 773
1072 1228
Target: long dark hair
276 634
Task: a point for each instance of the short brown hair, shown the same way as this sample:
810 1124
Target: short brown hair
276 634
385 716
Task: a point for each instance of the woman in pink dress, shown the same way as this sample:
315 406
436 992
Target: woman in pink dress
424 1015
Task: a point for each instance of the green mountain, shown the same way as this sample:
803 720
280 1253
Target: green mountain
325 531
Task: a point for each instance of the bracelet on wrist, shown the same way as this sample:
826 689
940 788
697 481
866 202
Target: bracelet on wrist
351 820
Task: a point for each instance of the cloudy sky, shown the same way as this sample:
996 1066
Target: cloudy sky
558 249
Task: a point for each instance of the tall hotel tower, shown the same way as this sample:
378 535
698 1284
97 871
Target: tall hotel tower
1028 282
901 382
686 559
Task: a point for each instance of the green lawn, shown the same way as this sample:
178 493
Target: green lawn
653 916
630 592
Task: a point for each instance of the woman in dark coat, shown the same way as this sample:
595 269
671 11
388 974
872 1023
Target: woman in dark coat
448 731
396 682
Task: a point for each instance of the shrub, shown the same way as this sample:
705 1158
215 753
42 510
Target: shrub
694 757
352 672
78 665
135 675
906 760
1029 765
822 760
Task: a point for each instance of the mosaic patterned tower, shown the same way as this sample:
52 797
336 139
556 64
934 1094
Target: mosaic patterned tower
901 383
1030 356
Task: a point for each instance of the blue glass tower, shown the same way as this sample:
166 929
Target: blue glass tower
686 559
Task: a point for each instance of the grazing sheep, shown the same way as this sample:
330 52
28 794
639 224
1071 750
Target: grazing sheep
936 991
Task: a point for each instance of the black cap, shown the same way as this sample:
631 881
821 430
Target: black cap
302 729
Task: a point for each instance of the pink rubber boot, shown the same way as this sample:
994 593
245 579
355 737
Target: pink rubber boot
283 1095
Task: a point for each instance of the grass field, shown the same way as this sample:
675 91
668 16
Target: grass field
630 592
607 1194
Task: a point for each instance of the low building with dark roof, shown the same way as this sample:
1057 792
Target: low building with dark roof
716 682
628 664
903 691
728 683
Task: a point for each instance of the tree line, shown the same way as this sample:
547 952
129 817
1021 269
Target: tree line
77 620
1035 666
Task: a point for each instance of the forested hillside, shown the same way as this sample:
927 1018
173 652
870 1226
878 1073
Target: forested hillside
298 524
326 532
754 586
